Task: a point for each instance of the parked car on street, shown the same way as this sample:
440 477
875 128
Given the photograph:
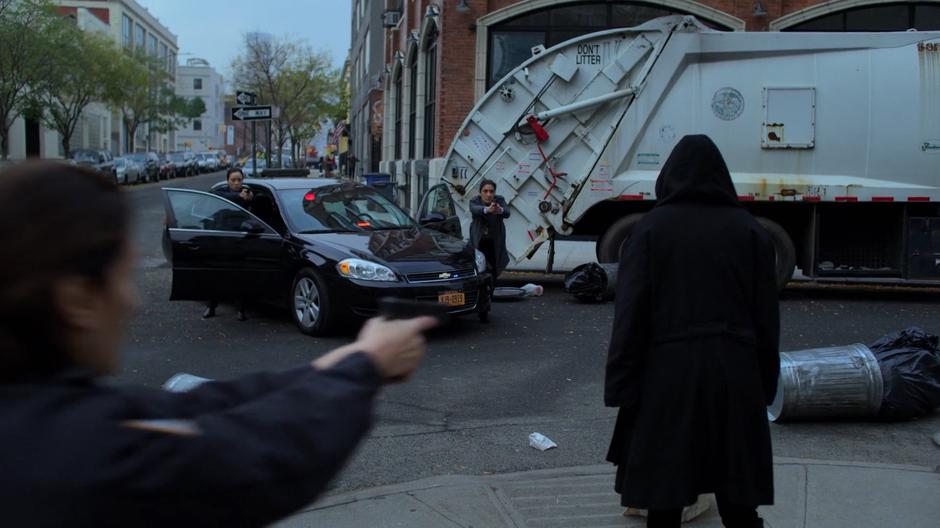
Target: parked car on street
179 164
250 171
149 162
186 163
98 159
127 170
192 163
166 169
207 162
328 250
224 159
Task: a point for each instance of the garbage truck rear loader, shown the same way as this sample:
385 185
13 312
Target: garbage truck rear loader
832 139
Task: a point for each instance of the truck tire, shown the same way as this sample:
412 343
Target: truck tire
611 242
784 249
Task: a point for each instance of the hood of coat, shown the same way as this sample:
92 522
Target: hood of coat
695 173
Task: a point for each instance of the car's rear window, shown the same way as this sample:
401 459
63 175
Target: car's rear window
340 208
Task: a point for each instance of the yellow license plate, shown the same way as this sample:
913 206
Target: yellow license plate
451 298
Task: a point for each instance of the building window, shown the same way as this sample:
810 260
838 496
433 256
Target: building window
399 97
197 84
197 125
165 56
126 31
893 17
430 91
173 63
139 35
413 101
511 42
152 45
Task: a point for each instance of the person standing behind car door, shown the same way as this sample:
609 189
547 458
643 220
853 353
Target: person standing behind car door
487 231
240 196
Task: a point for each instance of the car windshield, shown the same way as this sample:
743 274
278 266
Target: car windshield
85 155
342 208
261 164
119 162
176 157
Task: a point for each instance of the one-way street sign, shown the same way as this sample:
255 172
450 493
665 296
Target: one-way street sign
245 98
251 113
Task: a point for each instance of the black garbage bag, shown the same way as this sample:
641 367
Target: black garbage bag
592 282
910 366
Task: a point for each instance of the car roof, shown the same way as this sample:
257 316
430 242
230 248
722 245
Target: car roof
287 184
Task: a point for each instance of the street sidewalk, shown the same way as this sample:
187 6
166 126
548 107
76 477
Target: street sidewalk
809 493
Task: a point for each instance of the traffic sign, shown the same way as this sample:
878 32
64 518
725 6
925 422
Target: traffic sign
251 113
245 98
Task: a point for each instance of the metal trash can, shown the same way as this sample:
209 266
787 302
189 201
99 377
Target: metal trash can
836 382
382 183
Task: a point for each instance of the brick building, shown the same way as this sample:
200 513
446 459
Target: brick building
442 55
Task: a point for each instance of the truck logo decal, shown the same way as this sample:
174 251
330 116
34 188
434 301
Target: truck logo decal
931 145
727 104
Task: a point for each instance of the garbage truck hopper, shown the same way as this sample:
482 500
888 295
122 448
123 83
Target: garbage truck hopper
833 141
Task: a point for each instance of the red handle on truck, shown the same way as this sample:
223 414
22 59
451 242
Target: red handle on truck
540 134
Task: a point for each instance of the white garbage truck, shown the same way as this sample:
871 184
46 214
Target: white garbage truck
832 139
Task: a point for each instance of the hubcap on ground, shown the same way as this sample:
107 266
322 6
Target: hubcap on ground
307 302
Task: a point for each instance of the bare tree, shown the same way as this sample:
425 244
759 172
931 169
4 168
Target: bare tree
291 77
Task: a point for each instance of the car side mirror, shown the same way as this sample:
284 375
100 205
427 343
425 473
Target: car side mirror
250 226
432 218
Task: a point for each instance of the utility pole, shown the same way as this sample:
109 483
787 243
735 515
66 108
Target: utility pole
254 149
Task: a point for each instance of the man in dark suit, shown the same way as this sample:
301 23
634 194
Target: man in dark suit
487 230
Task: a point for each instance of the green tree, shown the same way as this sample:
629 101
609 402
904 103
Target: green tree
139 92
174 111
24 26
76 72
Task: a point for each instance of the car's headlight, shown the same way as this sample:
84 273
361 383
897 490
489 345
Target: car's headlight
480 259
353 268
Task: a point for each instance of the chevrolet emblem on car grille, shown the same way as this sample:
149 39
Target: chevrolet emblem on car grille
444 275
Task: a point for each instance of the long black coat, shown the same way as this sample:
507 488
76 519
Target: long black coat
497 229
266 445
693 357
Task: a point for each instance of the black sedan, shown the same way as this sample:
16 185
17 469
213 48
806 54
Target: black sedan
328 250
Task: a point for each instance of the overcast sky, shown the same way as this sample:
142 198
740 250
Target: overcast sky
213 29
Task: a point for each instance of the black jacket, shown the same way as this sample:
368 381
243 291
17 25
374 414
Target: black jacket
267 445
693 357
497 229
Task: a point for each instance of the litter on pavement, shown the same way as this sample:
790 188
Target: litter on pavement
592 282
541 442
183 382
533 290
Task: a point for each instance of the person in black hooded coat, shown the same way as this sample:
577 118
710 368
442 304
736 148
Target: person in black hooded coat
693 357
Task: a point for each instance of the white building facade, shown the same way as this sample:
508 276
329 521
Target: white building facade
133 28
207 132
28 138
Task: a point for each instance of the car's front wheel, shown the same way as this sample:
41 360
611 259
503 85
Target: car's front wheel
309 303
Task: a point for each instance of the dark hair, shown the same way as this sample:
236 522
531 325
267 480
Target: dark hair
61 220
233 170
486 182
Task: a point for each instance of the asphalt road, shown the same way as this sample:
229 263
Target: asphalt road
538 366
